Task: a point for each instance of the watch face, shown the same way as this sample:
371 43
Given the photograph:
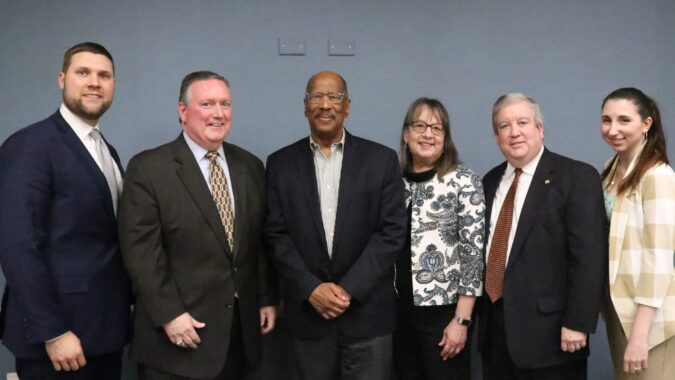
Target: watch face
462 321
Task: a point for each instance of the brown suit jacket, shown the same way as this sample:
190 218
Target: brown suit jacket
175 249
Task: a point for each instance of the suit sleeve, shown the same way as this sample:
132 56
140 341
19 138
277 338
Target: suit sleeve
141 244
25 205
587 250
386 243
281 246
268 283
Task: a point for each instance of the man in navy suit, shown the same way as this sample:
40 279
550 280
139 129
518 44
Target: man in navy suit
66 302
335 224
546 253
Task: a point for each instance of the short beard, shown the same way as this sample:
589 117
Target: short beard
75 106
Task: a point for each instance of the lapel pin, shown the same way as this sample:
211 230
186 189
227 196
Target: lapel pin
547 181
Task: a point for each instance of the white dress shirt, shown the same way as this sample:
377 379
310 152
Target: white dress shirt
523 186
200 155
82 131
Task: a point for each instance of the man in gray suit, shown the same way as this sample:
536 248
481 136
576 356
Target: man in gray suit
191 219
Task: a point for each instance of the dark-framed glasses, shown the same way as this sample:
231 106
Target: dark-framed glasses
421 127
317 97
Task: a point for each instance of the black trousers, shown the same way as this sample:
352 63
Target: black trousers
497 363
416 351
99 367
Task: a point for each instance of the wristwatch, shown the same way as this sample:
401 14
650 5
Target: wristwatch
462 321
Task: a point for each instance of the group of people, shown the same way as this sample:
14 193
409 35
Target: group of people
383 262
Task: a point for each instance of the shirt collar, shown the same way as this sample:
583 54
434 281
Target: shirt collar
339 144
80 128
529 168
200 152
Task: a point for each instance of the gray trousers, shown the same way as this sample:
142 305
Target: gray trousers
334 358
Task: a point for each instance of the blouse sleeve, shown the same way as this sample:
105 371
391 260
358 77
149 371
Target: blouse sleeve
471 230
656 261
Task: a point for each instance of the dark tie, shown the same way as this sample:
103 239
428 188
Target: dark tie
106 165
221 196
494 278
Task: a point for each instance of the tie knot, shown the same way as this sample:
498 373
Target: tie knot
212 155
518 172
95 134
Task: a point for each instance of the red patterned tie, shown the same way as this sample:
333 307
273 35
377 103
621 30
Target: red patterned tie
221 196
494 278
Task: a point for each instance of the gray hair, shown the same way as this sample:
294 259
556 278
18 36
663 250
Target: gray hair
513 98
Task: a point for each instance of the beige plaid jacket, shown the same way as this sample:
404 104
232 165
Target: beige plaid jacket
641 250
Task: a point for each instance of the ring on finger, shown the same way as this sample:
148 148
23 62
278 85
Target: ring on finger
180 343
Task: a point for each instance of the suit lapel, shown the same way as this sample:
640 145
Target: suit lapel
85 158
238 178
189 173
539 187
307 175
350 164
490 185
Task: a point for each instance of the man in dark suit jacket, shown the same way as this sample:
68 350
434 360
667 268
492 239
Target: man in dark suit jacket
191 220
67 297
335 224
540 308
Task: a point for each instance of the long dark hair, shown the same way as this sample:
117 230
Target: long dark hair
448 159
654 152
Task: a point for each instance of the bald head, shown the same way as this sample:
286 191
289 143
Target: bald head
327 74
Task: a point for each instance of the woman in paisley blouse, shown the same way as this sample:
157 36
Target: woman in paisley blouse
440 271
640 201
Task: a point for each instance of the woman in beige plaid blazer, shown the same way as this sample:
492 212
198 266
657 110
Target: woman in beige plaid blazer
640 201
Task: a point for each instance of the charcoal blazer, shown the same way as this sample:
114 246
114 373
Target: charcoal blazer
175 248
58 244
369 233
556 270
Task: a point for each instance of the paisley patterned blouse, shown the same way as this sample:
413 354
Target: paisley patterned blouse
447 237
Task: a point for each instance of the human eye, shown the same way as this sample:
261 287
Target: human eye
502 125
437 128
523 121
106 75
81 72
335 98
606 120
205 104
624 120
226 104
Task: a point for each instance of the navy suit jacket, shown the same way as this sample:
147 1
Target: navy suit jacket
58 244
556 269
369 233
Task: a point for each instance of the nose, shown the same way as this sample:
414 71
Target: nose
513 130
612 129
218 111
325 103
94 80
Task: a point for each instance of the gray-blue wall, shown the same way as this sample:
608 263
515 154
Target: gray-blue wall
566 54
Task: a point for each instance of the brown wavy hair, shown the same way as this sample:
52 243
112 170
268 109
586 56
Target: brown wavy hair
449 157
654 152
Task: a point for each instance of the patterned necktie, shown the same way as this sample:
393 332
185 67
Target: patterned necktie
106 165
494 278
221 196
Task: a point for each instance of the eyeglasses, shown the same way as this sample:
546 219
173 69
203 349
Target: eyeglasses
317 97
421 127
